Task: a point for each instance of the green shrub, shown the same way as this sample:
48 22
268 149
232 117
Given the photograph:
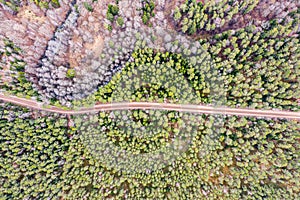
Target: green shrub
88 6
110 17
120 21
113 9
14 5
71 73
55 3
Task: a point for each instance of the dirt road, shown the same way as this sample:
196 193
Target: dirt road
158 106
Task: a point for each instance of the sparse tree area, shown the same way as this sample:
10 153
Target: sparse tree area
113 16
13 67
147 9
15 5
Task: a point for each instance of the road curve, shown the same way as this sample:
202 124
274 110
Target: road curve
158 106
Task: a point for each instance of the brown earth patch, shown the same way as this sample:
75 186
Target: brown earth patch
97 46
26 12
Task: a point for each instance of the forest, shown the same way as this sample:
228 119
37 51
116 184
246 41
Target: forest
239 72
193 16
13 67
45 155
233 53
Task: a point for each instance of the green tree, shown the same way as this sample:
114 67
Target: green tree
113 9
88 6
177 14
71 73
120 21
110 16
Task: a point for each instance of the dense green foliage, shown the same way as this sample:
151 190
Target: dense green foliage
193 16
227 157
261 70
168 76
259 65
11 58
157 154
32 150
138 138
